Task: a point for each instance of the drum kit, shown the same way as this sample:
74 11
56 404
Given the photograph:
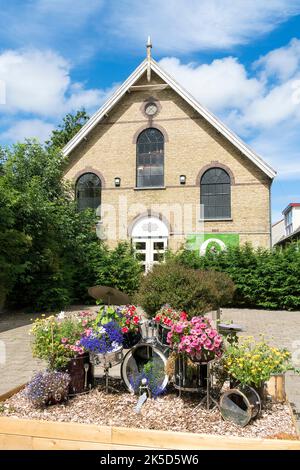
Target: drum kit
151 349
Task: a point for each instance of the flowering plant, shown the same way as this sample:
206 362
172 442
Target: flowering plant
167 316
102 339
47 388
197 338
252 363
57 338
129 318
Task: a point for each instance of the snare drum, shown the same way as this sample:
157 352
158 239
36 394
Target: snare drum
145 360
109 359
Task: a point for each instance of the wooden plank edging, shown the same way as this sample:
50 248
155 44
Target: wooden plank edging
39 434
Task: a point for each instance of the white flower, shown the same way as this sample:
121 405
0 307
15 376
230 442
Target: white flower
61 315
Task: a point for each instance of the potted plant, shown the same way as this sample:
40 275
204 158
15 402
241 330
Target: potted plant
252 363
104 343
57 341
164 319
130 322
48 388
194 341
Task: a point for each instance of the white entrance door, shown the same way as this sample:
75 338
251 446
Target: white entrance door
150 240
150 251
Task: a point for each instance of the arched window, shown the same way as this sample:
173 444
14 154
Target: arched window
88 191
215 194
150 159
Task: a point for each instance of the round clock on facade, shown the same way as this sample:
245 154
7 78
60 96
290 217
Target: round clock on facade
150 109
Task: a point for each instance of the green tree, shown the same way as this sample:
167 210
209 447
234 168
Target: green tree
71 124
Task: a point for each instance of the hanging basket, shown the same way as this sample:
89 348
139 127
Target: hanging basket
240 405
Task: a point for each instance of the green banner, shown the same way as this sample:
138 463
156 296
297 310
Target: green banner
213 242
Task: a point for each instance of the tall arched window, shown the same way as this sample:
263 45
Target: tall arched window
150 159
88 191
215 194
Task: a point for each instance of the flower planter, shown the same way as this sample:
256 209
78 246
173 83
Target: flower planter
131 339
162 333
189 377
80 371
276 388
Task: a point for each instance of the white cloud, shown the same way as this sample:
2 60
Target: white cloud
39 82
27 128
282 62
264 109
220 85
191 25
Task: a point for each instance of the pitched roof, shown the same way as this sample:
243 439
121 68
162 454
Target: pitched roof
291 204
213 120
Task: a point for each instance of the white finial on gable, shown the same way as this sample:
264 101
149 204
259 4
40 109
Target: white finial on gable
149 47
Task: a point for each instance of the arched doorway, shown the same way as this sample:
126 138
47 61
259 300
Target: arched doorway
150 240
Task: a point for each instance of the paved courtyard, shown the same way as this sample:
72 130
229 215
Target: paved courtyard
17 364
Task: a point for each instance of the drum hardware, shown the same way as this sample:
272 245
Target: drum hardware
208 399
107 361
148 330
144 392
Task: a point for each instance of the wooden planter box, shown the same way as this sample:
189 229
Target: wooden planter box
26 434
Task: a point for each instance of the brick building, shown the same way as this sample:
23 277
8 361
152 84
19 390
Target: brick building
160 170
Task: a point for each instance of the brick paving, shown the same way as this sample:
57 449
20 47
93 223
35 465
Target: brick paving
280 327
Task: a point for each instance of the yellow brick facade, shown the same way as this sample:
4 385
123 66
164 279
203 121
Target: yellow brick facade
191 144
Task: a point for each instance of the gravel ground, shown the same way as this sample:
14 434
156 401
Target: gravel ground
168 412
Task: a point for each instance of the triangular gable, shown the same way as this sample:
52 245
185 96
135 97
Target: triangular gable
211 118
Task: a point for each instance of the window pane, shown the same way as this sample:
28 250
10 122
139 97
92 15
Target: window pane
150 158
140 245
88 191
215 194
158 245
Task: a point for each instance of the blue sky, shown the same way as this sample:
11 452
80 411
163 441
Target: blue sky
240 58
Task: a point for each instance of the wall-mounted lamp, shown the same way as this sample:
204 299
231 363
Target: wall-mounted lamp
182 179
117 182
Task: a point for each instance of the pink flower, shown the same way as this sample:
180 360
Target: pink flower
183 316
207 343
84 322
212 333
88 332
203 337
125 329
178 327
64 340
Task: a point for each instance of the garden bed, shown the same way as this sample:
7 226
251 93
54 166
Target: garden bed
108 421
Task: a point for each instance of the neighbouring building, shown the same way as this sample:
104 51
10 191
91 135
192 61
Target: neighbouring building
288 229
160 170
278 231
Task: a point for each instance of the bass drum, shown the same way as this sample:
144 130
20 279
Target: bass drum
145 360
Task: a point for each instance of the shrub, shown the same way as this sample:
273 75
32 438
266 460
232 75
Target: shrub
263 278
184 288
